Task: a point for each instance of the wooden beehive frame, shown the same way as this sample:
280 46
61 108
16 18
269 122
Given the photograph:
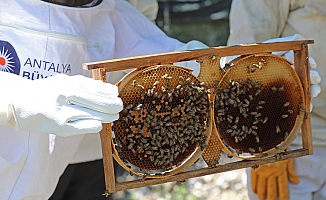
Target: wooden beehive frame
302 68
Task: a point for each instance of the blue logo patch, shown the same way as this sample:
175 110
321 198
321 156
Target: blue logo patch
9 61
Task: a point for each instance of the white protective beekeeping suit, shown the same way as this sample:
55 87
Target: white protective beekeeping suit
257 21
149 8
45 40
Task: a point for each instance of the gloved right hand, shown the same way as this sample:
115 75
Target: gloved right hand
61 105
270 181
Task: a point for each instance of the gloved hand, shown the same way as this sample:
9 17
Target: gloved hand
192 45
271 180
62 105
315 78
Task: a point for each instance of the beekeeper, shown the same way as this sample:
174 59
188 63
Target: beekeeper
44 100
257 21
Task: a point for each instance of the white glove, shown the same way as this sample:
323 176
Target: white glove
62 105
315 78
192 45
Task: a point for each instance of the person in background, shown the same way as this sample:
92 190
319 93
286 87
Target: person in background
50 113
287 20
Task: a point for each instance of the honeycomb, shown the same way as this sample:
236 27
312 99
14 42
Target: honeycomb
210 74
164 119
257 104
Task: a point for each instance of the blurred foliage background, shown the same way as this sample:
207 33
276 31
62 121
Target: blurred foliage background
203 20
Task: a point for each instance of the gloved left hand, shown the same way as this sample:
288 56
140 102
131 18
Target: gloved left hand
62 105
271 180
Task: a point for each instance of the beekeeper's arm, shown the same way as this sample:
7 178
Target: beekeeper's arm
46 107
255 22
145 38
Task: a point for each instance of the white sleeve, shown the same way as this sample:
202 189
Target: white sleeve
256 21
136 35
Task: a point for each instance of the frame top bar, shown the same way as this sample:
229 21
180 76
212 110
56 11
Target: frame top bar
173 57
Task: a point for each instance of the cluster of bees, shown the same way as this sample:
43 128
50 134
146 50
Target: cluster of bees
164 125
235 97
166 120
239 111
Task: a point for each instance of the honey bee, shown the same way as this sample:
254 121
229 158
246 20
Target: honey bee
231 101
150 92
290 111
260 149
254 132
257 139
139 107
255 122
274 88
265 120
281 88
286 135
284 116
156 161
236 120
156 83
141 87
229 130
248 69
129 106
125 119
134 83
259 107
146 146
286 104
164 76
246 100
278 129
261 102
257 92
251 150
234 126
249 131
